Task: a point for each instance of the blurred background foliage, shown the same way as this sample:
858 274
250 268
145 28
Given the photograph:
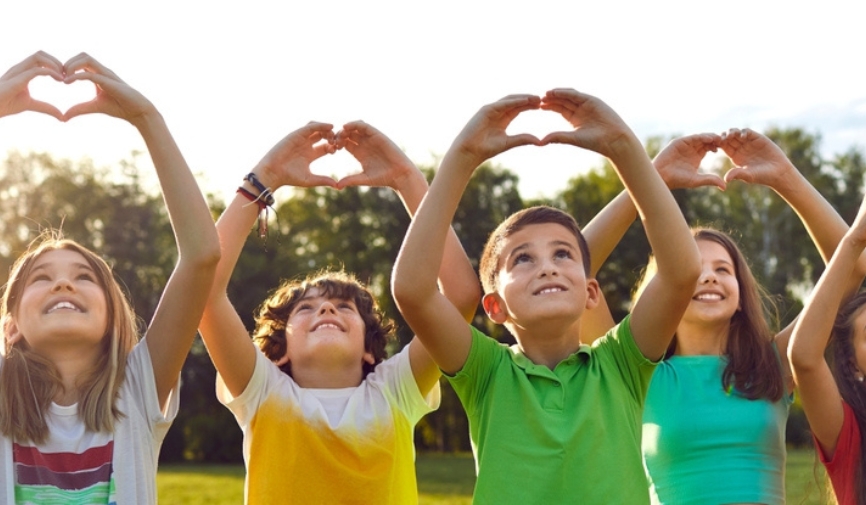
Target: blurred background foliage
116 212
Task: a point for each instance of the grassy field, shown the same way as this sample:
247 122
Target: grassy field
443 479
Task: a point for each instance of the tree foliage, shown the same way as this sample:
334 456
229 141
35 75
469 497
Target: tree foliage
361 230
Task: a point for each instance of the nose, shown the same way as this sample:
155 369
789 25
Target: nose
327 307
708 276
62 284
548 267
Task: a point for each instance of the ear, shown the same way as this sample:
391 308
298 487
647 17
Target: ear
494 306
369 358
11 332
593 293
285 359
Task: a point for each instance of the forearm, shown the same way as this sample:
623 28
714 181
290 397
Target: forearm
421 256
457 279
668 233
189 214
812 330
607 228
233 228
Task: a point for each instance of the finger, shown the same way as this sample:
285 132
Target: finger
359 179
510 102
709 180
39 59
569 95
85 62
521 139
315 127
101 81
45 108
739 174
320 180
81 109
560 107
359 126
559 138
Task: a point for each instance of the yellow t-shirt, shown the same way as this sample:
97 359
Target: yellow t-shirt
351 445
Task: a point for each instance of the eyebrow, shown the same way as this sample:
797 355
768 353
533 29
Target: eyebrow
79 265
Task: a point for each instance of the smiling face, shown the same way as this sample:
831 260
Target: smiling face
61 303
717 296
541 280
324 328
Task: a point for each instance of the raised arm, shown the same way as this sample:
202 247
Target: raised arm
286 164
678 164
435 320
384 164
818 390
758 160
597 127
14 93
173 327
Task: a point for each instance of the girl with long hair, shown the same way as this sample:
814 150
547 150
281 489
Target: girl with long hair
715 413
84 406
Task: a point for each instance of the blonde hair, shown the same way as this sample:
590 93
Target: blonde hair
29 382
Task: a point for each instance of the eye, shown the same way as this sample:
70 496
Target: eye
38 278
562 254
723 270
86 277
303 306
522 258
346 305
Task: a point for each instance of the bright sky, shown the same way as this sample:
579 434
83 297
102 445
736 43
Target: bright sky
233 78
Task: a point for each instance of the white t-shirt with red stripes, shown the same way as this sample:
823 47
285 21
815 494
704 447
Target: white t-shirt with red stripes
82 467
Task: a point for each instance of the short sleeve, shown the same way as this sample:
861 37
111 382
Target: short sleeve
141 386
245 405
619 347
394 376
471 381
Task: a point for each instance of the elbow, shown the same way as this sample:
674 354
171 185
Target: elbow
206 256
801 361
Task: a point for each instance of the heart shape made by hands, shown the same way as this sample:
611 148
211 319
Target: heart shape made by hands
538 123
63 96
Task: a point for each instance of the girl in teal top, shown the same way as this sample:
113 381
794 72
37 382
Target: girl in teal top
716 409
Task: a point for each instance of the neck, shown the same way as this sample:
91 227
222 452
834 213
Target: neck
702 339
334 377
548 346
72 364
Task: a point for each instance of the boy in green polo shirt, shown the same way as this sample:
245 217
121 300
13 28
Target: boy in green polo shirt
551 420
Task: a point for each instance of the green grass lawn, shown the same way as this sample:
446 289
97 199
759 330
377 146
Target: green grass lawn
443 479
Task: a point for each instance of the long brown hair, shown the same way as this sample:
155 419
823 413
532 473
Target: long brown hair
753 367
850 387
29 382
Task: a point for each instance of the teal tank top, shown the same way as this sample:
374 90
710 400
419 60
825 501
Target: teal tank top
703 445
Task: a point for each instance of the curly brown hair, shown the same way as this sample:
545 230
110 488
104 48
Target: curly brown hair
272 315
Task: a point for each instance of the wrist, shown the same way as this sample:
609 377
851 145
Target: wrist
624 146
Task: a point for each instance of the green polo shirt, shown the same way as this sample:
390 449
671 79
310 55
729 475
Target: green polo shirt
568 435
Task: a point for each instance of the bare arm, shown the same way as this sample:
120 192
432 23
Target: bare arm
678 164
384 164
435 320
224 334
758 160
818 390
174 323
597 127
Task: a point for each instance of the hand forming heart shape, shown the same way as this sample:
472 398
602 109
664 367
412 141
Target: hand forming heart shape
59 94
